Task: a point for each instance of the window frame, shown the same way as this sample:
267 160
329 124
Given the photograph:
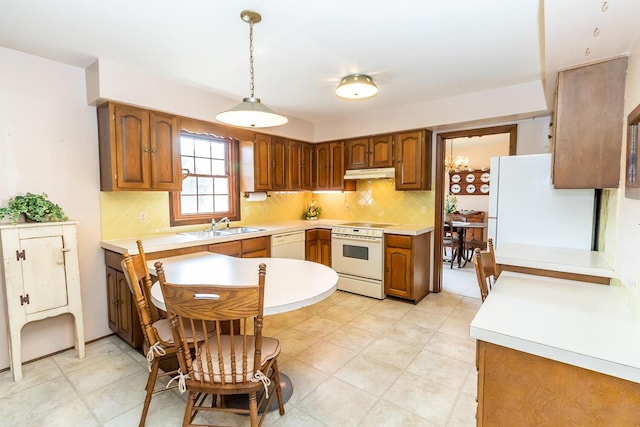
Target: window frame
198 128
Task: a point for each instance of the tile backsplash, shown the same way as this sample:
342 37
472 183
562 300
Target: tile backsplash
128 214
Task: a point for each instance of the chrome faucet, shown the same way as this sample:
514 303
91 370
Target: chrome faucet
215 224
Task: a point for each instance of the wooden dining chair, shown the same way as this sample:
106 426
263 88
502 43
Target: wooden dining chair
486 269
158 337
450 240
237 360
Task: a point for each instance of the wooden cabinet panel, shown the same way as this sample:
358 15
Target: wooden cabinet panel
413 160
165 159
322 165
336 166
588 119
406 266
261 162
306 174
318 246
278 163
517 388
370 152
356 153
122 314
139 149
257 247
294 165
227 248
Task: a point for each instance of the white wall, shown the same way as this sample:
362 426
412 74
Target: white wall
623 222
49 143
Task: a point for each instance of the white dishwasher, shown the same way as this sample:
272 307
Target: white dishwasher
288 245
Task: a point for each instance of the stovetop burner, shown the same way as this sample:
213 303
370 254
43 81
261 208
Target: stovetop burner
366 225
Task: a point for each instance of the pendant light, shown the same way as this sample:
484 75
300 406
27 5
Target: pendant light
356 86
251 112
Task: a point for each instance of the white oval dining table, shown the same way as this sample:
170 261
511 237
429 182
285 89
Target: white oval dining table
289 283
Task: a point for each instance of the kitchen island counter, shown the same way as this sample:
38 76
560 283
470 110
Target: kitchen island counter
556 352
564 263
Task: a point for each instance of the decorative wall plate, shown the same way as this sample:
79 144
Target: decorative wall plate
455 188
484 188
455 178
485 177
470 177
471 188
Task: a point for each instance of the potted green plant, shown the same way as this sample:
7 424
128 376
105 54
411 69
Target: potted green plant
34 207
312 212
450 205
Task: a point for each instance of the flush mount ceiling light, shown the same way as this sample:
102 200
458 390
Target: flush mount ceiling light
356 86
251 112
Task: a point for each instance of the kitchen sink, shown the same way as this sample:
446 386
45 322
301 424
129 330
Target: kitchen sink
239 230
207 234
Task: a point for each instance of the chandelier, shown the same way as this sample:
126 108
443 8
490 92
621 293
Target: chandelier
460 162
251 112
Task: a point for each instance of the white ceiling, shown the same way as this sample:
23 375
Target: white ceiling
416 51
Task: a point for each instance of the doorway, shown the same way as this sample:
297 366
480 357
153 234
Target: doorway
441 170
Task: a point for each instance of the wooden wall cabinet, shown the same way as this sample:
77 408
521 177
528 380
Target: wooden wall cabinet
371 152
42 279
413 160
318 246
264 161
139 149
521 389
406 266
587 122
299 165
329 167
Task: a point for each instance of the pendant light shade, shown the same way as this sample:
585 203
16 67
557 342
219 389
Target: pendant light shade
251 112
356 86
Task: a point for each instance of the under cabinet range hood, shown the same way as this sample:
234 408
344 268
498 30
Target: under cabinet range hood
375 173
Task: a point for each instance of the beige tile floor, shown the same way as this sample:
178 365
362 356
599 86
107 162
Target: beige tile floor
354 361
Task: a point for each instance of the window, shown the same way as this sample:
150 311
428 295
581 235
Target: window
210 190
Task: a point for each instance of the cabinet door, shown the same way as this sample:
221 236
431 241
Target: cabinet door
381 151
43 273
412 160
356 153
294 165
397 272
306 174
125 309
165 153
132 148
322 165
258 247
311 246
233 249
112 298
262 162
324 247
278 163
588 126
336 166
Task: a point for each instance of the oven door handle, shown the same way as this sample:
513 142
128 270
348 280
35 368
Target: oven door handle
346 238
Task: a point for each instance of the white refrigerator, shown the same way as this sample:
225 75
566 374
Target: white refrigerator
525 208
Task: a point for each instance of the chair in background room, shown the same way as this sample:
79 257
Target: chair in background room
158 337
486 269
237 360
450 240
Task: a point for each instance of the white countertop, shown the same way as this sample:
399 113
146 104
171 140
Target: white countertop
582 324
289 283
170 241
556 259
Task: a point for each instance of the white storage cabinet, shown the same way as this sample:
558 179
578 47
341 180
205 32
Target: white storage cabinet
41 278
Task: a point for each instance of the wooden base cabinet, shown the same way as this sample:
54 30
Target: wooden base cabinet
521 389
406 266
41 275
318 246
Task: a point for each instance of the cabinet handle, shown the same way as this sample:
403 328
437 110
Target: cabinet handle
114 302
66 250
146 149
24 299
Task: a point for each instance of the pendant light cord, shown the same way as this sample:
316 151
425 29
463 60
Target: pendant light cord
251 85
